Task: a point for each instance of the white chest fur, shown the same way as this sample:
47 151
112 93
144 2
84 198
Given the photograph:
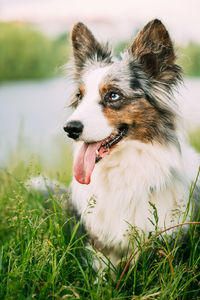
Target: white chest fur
124 182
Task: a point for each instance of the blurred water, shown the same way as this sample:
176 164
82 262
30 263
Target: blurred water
33 110
37 110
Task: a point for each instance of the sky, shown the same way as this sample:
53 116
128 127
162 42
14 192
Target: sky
180 16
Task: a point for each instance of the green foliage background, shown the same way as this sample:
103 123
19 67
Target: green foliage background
188 57
26 53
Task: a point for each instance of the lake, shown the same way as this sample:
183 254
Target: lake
32 111
36 112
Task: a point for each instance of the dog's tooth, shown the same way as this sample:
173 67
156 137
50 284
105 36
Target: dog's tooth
97 152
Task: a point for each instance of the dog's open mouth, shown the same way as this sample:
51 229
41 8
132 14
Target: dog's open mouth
91 153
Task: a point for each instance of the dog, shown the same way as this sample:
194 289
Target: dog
130 150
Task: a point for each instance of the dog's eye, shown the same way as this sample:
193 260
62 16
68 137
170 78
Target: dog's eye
79 96
114 96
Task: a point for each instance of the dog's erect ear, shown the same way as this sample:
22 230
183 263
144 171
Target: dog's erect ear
154 50
86 47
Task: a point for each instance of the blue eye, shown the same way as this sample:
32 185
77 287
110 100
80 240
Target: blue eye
114 96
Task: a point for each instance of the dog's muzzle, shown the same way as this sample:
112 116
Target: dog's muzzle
73 129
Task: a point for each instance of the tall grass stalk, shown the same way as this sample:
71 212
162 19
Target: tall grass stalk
43 253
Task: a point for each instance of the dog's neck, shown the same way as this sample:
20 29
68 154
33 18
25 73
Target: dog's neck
140 166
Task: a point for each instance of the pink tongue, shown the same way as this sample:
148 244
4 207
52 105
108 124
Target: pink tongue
85 162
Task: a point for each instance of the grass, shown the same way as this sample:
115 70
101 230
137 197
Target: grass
43 254
194 139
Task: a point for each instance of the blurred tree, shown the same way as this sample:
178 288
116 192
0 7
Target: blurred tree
188 56
189 59
61 50
120 47
26 53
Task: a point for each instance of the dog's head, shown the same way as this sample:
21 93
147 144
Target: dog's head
126 98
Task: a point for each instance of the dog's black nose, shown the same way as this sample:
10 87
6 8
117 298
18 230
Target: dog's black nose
73 129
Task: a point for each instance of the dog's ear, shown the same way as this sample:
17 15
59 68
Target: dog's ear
86 47
154 50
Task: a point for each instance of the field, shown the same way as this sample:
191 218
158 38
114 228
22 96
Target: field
42 247
43 254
